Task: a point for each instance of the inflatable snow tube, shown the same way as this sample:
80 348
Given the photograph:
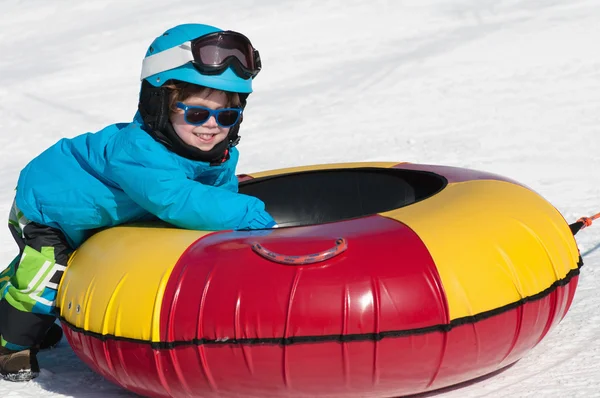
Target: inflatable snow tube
385 280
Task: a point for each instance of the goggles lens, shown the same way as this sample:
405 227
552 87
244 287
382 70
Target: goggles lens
217 51
198 115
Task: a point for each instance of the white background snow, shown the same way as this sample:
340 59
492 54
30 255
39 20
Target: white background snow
506 86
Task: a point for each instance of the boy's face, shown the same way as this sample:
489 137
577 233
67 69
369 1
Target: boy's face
207 135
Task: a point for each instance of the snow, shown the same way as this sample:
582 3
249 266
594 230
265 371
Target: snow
506 86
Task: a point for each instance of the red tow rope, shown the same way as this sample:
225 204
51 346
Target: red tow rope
582 223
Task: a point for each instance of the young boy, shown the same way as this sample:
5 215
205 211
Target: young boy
175 161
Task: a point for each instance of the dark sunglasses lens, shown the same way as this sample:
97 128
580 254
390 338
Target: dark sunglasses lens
197 115
227 118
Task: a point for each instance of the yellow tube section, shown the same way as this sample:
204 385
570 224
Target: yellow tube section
493 243
332 166
121 294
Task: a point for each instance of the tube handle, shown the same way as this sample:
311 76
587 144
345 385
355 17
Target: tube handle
340 246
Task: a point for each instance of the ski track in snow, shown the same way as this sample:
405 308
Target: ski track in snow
511 87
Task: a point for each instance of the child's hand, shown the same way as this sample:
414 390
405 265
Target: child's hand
272 224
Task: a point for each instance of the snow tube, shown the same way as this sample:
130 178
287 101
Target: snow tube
385 279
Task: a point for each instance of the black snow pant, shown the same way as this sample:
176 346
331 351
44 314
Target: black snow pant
29 285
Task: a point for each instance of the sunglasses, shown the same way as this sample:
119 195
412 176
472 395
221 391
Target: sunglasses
197 115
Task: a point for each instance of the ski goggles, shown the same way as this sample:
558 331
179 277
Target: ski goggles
211 54
197 115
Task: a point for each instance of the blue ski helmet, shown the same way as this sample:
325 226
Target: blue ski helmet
186 72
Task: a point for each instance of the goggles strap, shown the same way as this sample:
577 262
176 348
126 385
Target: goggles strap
167 59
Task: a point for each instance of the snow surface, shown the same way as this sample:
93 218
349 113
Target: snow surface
505 86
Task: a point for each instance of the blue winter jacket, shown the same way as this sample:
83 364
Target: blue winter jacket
121 174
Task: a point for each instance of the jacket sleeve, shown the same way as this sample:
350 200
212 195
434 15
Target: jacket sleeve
156 183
